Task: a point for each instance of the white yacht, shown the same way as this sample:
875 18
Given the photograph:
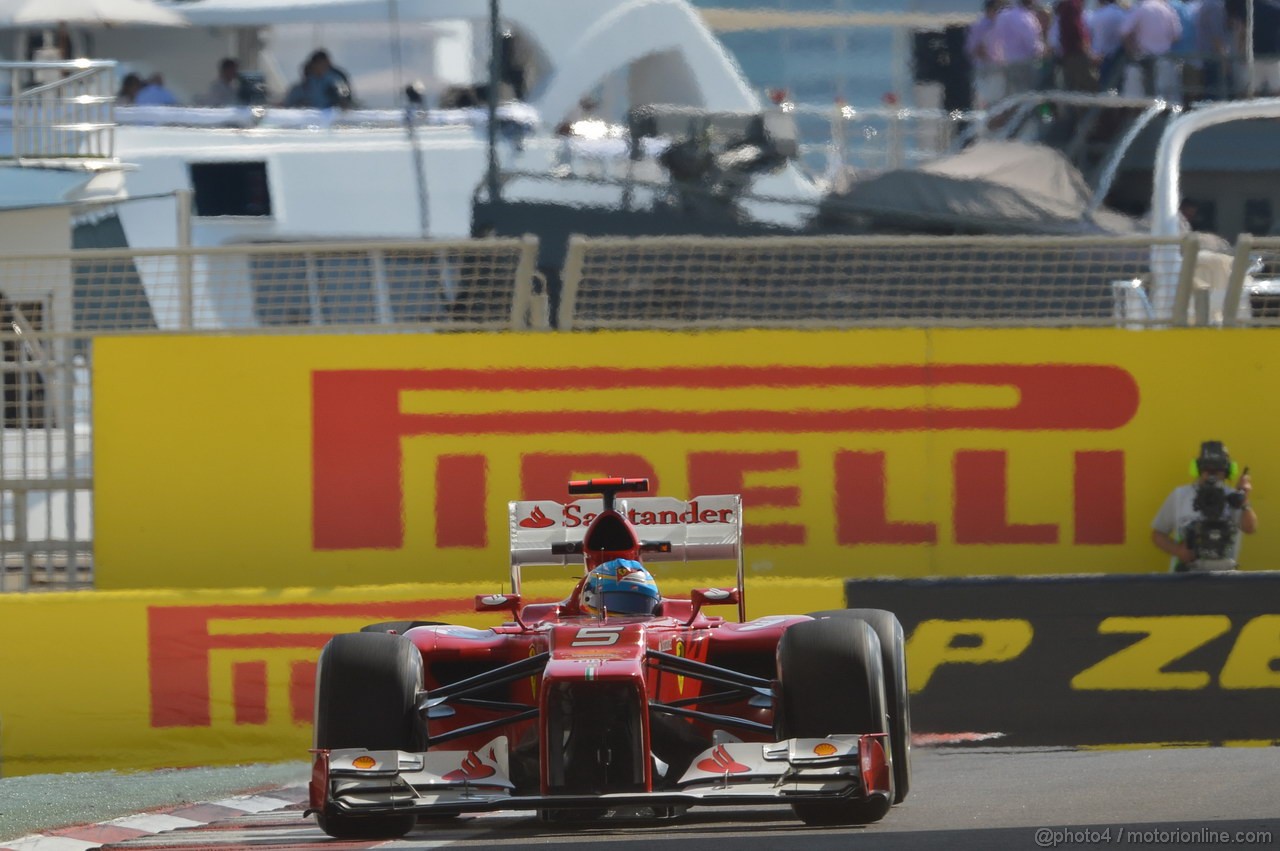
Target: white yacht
263 173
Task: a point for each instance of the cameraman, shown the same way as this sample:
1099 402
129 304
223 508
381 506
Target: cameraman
1199 525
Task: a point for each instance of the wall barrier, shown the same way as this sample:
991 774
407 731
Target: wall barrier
134 680
1091 660
391 458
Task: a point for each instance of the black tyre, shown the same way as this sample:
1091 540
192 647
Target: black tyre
897 693
398 627
366 687
832 682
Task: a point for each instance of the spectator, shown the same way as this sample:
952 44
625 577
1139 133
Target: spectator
226 89
1019 38
1043 13
129 88
1150 32
1213 35
1079 72
55 45
1264 76
1186 50
1199 524
323 86
988 79
1106 36
154 93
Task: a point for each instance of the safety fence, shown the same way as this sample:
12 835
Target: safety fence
53 307
665 282
460 285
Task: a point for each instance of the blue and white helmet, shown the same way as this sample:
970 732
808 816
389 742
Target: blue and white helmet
620 587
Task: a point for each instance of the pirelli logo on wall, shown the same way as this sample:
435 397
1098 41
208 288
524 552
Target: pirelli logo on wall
375 459
360 425
252 664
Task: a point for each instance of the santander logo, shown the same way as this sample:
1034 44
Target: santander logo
537 520
721 763
472 768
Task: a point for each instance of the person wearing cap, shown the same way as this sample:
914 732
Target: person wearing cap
1182 512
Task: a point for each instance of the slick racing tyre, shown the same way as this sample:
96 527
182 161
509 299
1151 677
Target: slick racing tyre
366 686
832 682
893 655
398 627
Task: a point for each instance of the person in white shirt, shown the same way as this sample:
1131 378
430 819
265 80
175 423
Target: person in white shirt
1200 533
1150 32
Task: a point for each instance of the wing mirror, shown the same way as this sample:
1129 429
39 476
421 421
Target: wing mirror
713 597
500 603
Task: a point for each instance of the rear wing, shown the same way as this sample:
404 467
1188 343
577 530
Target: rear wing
704 528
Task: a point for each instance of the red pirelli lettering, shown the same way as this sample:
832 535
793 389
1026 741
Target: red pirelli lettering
982 503
862 513
725 472
180 644
1099 497
358 424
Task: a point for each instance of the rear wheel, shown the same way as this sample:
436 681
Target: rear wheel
832 682
893 657
366 687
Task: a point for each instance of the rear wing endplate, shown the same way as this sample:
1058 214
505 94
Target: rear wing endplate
701 529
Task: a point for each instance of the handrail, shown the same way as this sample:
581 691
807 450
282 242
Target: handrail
68 118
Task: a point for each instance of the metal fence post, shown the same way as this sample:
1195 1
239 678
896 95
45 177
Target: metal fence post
524 313
1190 250
570 280
186 299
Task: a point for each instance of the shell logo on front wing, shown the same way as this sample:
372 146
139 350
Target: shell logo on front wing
825 749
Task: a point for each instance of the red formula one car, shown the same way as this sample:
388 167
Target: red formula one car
616 697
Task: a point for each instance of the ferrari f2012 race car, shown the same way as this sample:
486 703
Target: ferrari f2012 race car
616 697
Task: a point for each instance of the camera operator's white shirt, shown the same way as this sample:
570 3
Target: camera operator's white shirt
1178 512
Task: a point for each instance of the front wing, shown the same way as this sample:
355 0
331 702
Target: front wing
361 782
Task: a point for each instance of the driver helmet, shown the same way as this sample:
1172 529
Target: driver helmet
621 587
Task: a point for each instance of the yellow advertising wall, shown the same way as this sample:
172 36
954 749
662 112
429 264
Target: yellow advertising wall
133 680
322 460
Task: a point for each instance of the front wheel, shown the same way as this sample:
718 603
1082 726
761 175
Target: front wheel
832 682
893 657
366 688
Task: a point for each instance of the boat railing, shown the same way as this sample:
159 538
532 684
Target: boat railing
57 110
841 137
515 120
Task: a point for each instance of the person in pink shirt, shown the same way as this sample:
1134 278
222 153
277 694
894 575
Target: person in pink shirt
1020 39
1150 31
984 56
1106 37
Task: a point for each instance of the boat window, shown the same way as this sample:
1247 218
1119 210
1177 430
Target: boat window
1257 216
1201 214
231 189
